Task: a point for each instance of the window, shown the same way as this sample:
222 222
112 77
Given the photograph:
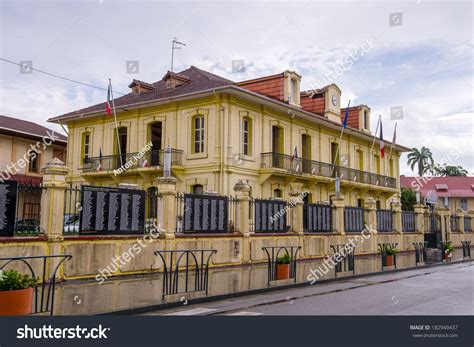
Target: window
277 193
86 146
247 136
365 120
33 158
198 134
197 189
464 204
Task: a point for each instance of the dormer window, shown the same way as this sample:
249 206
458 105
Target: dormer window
139 87
292 88
174 80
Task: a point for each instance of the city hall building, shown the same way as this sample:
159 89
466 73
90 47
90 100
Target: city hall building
264 131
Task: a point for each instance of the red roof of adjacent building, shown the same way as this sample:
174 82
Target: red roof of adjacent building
23 128
453 186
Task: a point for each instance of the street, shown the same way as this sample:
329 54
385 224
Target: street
441 290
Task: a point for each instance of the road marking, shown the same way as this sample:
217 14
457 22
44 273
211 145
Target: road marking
192 312
245 313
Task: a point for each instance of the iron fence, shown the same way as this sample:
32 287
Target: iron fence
135 161
28 209
384 220
317 218
353 219
44 291
194 267
408 221
72 210
312 167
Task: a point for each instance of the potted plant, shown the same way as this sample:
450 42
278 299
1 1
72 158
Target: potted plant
16 293
283 267
448 251
390 251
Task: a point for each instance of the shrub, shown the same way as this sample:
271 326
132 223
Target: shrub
12 280
284 259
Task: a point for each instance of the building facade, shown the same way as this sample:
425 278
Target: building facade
25 147
264 131
455 193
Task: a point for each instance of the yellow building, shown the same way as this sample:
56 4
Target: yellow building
25 147
264 131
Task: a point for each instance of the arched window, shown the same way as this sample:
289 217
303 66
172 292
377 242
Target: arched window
277 193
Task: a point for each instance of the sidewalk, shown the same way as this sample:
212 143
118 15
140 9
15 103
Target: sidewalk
435 290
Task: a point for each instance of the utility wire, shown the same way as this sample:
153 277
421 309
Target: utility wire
60 77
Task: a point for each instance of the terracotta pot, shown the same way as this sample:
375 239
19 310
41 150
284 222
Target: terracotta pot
16 302
283 271
389 260
446 256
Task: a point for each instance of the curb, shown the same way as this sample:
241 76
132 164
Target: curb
206 299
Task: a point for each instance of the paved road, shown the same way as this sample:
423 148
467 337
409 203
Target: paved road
442 290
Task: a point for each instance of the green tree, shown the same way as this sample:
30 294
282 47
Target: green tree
408 199
422 158
448 170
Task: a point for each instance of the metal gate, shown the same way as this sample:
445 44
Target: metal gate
433 232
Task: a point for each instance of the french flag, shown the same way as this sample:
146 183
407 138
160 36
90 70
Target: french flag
109 99
382 144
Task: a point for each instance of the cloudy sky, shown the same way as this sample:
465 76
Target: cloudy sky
424 65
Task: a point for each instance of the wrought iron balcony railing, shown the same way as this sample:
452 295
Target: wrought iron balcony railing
312 167
130 161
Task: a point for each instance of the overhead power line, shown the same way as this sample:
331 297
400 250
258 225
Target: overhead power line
60 77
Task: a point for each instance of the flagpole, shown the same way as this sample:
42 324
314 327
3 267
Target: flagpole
340 138
373 143
116 125
391 146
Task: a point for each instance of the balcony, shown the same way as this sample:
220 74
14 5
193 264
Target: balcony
130 161
300 166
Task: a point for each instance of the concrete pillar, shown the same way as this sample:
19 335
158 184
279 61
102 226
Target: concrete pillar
52 210
338 221
167 205
419 218
242 194
296 200
371 216
460 215
397 217
52 199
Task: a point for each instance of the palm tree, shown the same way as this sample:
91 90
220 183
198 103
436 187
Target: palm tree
449 170
422 158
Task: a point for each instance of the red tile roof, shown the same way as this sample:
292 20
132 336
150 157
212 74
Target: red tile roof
200 80
23 128
456 186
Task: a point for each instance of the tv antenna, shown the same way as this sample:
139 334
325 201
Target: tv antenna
175 45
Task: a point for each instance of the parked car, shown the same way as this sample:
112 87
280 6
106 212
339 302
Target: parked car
27 225
72 227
